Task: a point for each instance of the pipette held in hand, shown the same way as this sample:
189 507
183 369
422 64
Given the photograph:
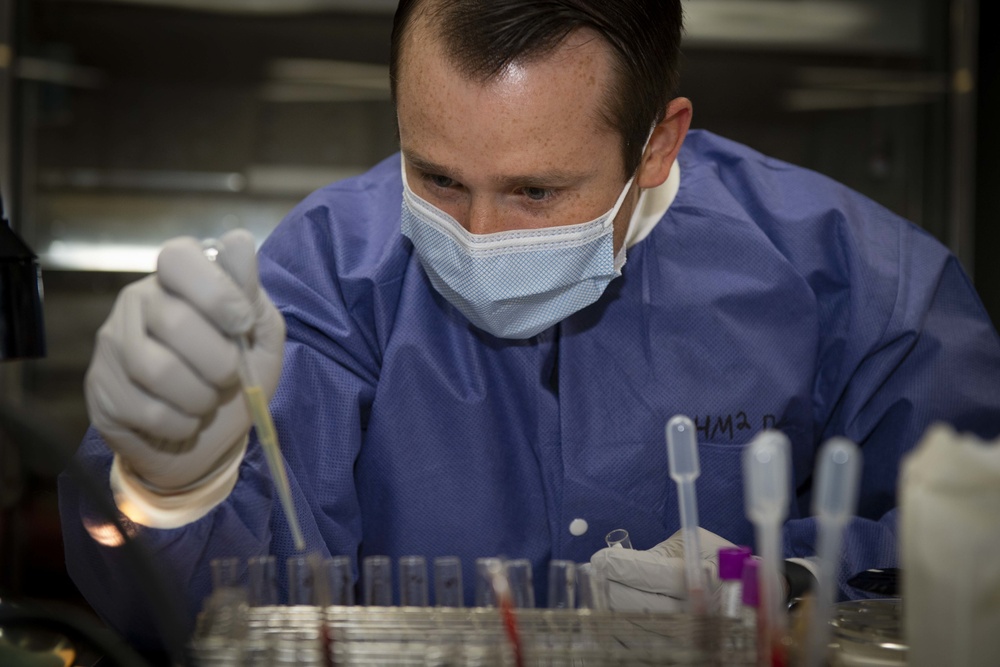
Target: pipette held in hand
834 503
261 415
682 455
766 482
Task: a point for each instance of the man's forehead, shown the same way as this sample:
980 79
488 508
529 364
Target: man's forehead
530 118
426 36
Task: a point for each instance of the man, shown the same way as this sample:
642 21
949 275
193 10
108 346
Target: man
487 334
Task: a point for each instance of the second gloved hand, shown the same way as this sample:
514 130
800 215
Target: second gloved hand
162 387
655 580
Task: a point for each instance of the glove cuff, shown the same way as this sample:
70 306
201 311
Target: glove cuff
148 506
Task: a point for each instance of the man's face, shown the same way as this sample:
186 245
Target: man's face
525 150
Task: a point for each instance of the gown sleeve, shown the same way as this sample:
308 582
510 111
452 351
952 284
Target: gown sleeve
937 359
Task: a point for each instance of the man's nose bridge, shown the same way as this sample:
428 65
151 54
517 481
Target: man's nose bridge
482 216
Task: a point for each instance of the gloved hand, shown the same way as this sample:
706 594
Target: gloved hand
162 387
655 580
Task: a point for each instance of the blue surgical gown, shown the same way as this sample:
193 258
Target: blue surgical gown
768 296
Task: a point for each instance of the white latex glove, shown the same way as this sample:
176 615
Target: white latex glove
162 387
655 580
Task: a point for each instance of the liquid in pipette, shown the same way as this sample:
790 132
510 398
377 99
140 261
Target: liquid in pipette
261 416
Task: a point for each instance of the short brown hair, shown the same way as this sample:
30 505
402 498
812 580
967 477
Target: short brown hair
485 36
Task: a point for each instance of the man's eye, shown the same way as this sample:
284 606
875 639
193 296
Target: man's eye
536 194
439 181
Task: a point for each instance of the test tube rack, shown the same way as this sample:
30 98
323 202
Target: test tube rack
230 635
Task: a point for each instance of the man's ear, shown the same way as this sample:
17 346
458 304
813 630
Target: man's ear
665 144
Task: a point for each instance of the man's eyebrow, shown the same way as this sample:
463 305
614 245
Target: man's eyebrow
422 164
550 178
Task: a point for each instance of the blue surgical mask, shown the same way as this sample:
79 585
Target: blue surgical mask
514 284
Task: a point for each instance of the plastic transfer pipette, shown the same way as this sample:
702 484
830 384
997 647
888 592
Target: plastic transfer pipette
682 454
834 503
261 415
765 479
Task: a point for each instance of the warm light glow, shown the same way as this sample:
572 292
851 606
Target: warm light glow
104 534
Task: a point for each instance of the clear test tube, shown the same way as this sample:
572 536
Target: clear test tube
225 573
591 588
301 581
340 579
485 596
562 584
522 587
262 573
618 538
377 581
413 581
448 582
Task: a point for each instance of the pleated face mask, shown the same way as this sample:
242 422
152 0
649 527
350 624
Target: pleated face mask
514 284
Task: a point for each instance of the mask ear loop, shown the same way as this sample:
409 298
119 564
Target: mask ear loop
622 255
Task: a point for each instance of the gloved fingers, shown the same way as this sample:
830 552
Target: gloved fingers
117 406
136 446
642 570
166 378
240 260
201 351
708 545
125 360
168 468
626 598
183 270
160 424
145 312
267 339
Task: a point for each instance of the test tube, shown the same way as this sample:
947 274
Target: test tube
522 588
262 573
301 581
485 596
591 588
448 582
562 584
730 601
413 581
618 538
340 579
377 581
225 573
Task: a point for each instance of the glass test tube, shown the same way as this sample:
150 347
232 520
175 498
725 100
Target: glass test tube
522 588
413 581
618 538
225 573
485 596
262 572
301 581
591 588
340 579
377 581
562 584
448 582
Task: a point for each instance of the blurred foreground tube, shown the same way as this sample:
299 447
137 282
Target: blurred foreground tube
950 538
